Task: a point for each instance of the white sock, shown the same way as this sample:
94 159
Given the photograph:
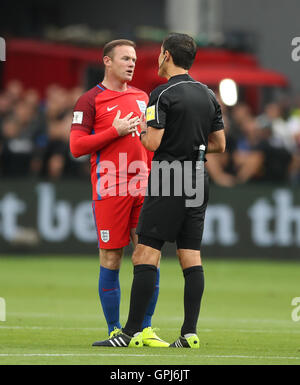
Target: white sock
189 335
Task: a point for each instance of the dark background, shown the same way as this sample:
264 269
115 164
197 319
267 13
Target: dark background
265 27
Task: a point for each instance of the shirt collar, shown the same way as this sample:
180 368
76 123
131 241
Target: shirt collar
180 77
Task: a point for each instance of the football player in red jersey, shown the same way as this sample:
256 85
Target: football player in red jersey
106 126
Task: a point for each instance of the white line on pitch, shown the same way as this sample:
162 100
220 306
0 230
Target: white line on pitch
162 318
50 328
87 355
268 331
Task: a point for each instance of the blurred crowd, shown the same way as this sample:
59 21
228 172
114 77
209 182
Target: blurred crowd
260 148
34 135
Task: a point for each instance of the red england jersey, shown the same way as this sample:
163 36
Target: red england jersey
119 164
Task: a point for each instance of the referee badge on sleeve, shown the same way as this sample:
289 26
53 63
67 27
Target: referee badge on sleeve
150 113
104 235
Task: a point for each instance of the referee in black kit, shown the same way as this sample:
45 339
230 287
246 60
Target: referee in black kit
184 122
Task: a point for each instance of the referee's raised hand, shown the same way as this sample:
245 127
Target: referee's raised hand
125 126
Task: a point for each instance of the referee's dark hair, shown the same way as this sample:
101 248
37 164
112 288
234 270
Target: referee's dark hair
182 48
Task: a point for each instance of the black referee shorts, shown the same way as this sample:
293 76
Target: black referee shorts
166 218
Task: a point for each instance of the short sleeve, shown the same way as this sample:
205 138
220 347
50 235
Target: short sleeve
217 121
156 113
84 114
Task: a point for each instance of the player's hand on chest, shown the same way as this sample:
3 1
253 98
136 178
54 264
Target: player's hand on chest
126 125
123 113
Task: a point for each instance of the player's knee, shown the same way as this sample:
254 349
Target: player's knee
111 259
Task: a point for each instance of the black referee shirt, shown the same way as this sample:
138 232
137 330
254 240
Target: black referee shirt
188 111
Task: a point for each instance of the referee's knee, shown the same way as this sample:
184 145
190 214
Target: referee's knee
145 255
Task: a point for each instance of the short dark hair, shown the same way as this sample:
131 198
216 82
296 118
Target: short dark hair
109 47
182 48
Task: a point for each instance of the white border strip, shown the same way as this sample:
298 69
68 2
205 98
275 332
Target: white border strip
143 355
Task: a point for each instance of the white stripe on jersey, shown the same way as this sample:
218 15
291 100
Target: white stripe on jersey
173 85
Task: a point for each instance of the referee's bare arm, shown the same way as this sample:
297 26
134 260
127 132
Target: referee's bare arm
152 137
216 142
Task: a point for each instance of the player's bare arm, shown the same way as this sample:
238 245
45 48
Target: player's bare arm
216 142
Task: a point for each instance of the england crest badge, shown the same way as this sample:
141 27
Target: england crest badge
104 235
142 106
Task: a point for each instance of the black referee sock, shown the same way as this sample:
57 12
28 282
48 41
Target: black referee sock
142 289
193 290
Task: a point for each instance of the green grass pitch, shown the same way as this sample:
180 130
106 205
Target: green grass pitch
53 313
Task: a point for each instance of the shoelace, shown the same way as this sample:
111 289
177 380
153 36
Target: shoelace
116 332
